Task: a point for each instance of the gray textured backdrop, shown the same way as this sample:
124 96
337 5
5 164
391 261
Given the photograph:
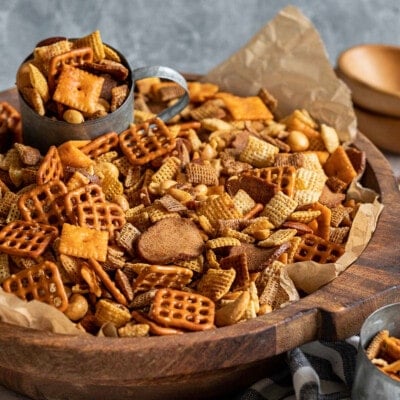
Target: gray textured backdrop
191 35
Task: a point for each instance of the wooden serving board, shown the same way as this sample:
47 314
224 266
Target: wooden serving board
208 364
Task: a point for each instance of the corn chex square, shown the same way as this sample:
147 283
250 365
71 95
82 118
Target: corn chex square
279 208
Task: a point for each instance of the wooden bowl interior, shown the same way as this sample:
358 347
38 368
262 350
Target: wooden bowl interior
374 65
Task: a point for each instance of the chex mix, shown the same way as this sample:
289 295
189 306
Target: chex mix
170 228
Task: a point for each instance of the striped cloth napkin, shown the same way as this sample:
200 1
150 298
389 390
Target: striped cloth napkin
316 371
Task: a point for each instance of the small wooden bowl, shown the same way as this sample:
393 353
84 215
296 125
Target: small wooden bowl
372 73
382 130
215 363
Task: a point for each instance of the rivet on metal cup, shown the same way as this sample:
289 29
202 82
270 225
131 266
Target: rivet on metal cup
42 132
369 382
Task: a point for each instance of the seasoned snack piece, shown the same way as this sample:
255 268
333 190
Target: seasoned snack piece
182 310
38 82
27 239
170 240
279 208
258 189
215 283
108 283
50 167
89 194
219 208
41 282
73 58
155 328
78 241
94 41
78 89
201 174
339 165
146 142
315 248
100 145
245 108
108 311
159 276
42 203
234 311
100 216
282 177
258 152
259 258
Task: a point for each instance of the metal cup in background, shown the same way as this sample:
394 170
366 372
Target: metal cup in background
42 132
369 382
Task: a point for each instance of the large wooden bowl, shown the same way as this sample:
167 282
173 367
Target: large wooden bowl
214 363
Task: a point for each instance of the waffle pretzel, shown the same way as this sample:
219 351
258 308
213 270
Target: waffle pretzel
178 309
100 216
41 282
315 248
50 167
100 145
28 239
88 194
42 203
158 276
146 142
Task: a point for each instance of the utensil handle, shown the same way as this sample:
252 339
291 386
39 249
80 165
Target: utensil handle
172 75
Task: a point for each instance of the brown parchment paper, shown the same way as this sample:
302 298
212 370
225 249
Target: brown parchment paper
286 56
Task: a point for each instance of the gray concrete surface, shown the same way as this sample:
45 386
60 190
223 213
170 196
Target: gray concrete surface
191 35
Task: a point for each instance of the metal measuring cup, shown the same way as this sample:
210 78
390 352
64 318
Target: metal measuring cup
42 132
370 383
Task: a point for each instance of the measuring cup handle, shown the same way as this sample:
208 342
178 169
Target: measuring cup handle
172 75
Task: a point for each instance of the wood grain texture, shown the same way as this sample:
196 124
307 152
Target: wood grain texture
213 363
